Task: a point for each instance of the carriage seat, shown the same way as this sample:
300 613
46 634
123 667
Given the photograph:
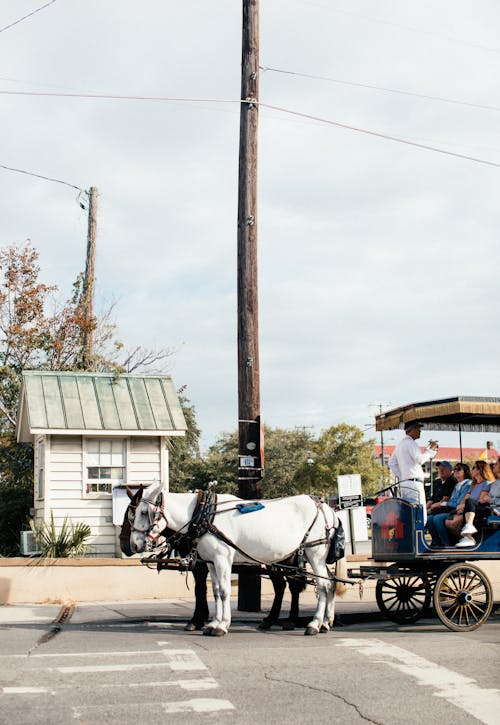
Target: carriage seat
493 521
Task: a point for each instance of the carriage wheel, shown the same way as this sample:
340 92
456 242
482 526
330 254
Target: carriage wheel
404 598
463 598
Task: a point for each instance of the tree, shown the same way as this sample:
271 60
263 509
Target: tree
184 458
342 449
38 332
285 450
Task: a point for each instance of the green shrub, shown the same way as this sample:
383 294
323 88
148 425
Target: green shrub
70 540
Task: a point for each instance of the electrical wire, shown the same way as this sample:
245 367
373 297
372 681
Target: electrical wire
318 119
25 17
266 69
378 134
411 29
46 178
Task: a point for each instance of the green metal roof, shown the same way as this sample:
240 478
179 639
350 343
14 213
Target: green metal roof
83 402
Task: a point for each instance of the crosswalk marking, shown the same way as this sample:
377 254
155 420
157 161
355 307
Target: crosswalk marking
24 690
178 659
461 691
163 658
200 683
197 705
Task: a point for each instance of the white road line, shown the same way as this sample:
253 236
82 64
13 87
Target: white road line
202 704
114 653
183 659
86 669
178 659
24 690
461 691
200 683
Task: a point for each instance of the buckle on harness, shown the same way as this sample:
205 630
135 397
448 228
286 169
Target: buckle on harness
188 562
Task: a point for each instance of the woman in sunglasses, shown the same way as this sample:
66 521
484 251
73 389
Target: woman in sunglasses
475 502
436 520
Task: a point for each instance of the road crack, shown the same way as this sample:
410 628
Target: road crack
325 691
62 618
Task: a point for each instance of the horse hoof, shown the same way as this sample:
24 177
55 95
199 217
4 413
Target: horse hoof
266 624
193 626
311 631
218 632
214 632
324 628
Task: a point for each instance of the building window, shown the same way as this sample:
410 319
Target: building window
105 465
40 472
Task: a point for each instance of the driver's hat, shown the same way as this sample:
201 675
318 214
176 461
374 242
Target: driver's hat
411 424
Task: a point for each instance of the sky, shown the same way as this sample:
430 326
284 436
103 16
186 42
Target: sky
378 260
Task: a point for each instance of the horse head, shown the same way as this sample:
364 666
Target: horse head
128 519
146 518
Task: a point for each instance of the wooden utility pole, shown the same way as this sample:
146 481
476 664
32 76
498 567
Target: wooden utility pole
250 452
88 282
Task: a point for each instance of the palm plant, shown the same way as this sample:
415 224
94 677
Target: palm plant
71 540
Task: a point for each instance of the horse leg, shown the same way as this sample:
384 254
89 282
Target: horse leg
220 572
200 614
337 589
325 592
279 586
296 586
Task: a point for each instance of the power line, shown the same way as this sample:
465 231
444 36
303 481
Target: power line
378 134
25 17
40 176
381 88
410 28
319 119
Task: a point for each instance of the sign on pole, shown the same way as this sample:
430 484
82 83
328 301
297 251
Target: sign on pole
349 488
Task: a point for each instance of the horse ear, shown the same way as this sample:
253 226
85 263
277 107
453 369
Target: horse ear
135 497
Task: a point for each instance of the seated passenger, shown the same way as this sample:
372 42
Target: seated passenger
488 502
443 486
482 477
440 511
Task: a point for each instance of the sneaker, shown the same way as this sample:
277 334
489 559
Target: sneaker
465 542
468 529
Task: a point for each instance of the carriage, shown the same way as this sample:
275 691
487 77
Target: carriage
410 574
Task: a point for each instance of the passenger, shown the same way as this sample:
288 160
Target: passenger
443 486
440 511
488 503
482 477
406 464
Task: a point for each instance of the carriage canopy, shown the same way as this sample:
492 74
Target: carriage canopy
462 413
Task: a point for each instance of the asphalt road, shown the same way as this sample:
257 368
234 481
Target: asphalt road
121 665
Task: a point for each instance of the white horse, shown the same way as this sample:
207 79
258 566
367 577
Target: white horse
267 536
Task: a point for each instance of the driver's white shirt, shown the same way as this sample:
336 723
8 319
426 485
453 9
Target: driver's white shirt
407 460
406 463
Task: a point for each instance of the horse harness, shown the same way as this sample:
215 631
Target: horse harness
202 522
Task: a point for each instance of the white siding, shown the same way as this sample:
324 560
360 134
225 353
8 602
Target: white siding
67 495
65 486
144 460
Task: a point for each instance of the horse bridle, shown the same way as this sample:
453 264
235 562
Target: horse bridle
156 512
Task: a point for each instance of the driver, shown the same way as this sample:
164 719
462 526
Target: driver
406 464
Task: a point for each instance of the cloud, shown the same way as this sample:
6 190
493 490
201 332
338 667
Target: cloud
377 261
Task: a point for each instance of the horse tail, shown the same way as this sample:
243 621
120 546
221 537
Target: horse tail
341 571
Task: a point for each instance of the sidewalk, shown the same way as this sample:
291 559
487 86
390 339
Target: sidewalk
175 611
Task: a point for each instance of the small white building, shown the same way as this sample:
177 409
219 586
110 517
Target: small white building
94 433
